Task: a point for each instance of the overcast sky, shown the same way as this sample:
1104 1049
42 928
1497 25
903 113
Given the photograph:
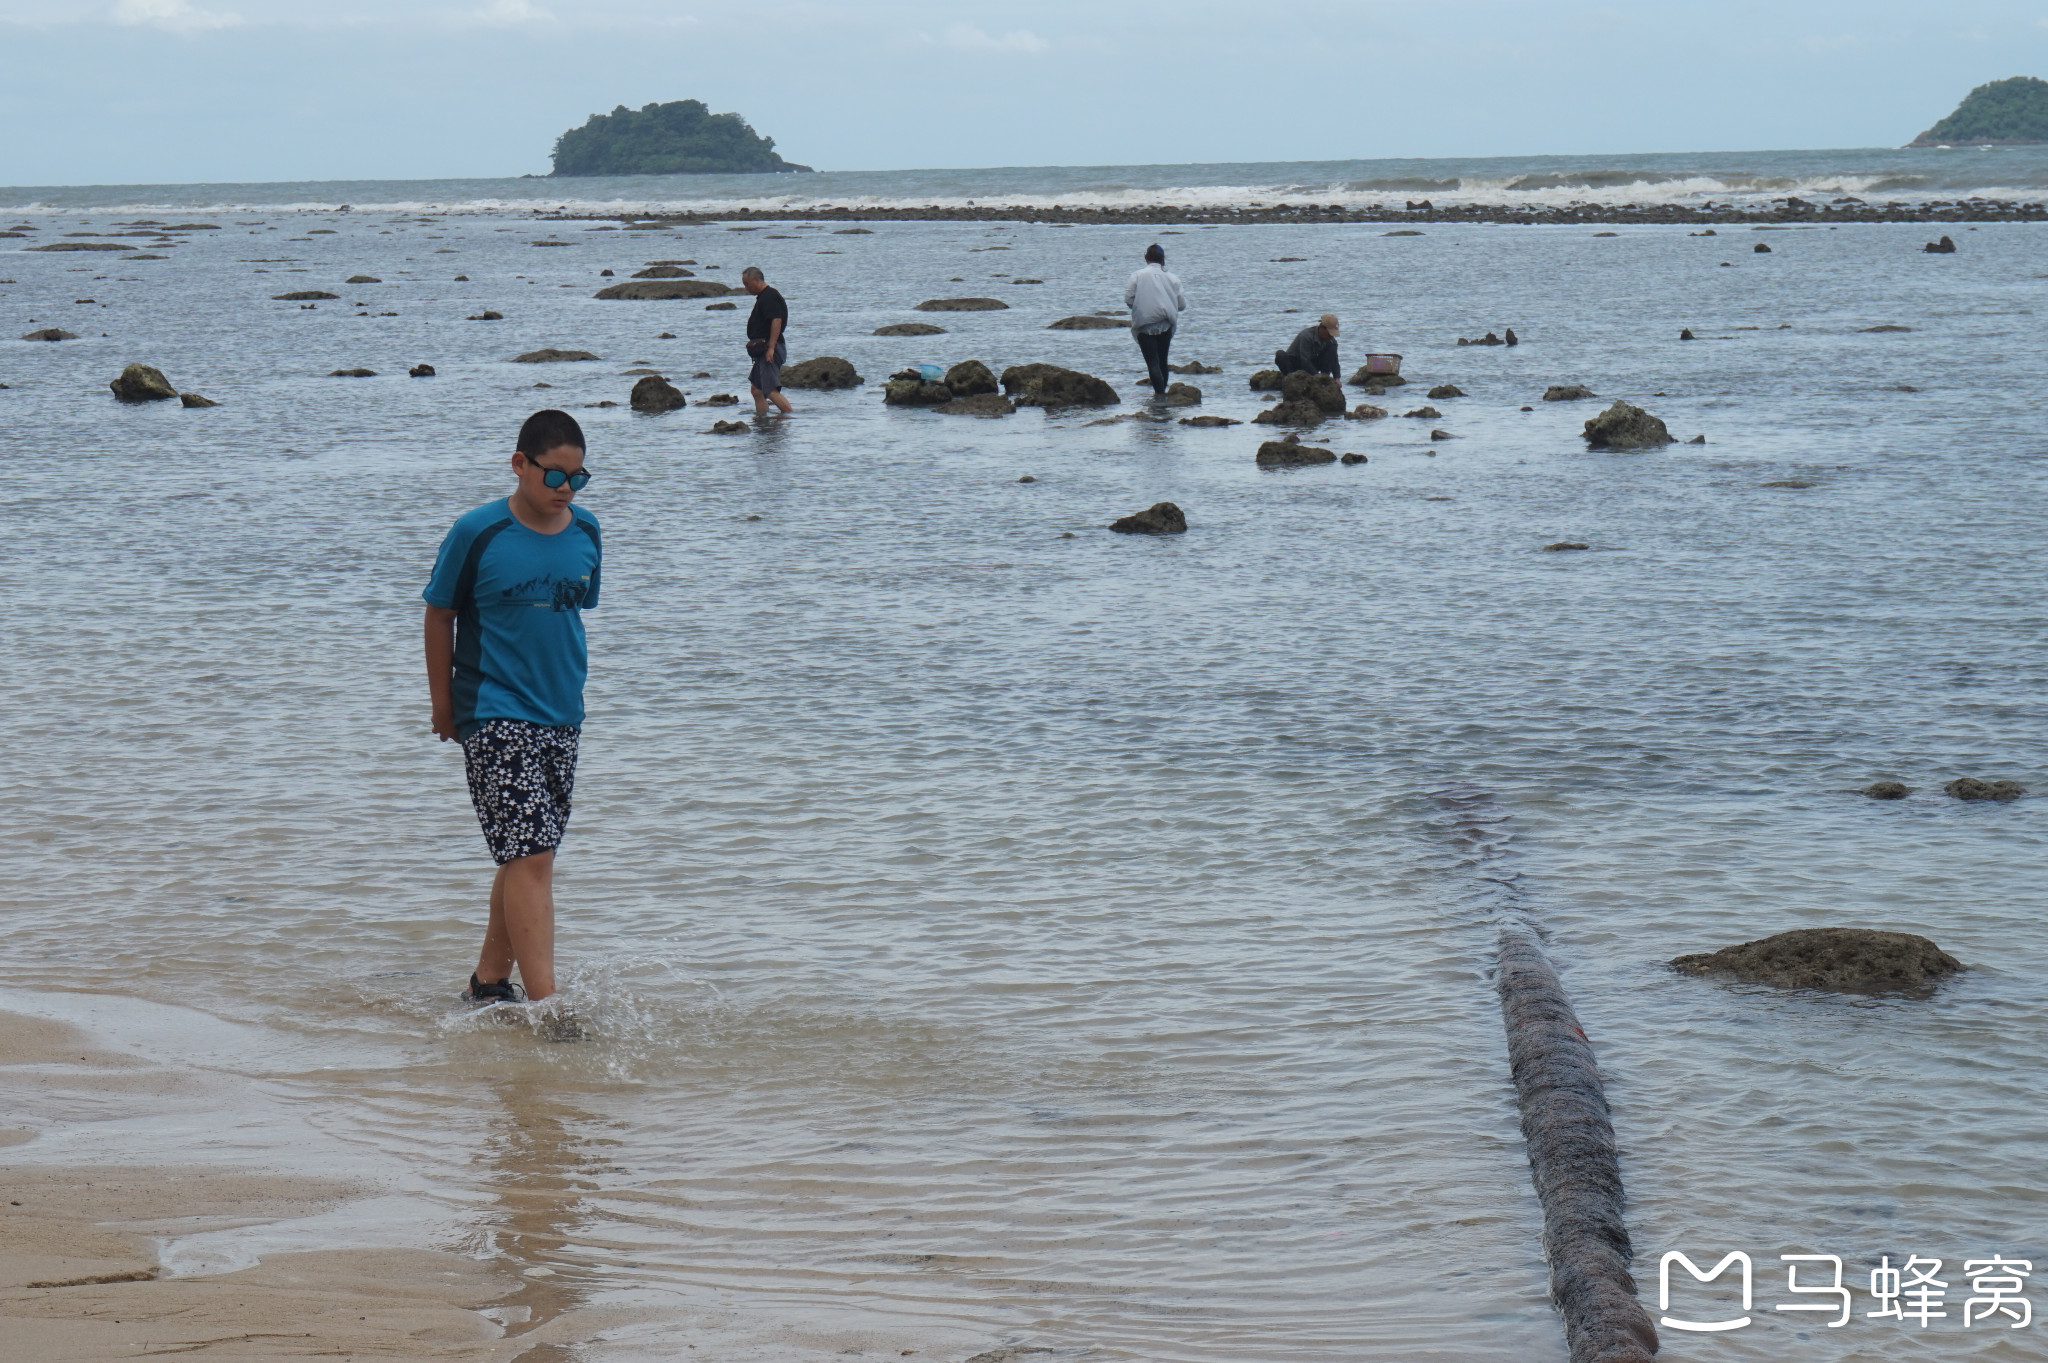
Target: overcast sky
142 91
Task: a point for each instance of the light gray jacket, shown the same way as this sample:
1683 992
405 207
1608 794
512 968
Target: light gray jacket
1154 298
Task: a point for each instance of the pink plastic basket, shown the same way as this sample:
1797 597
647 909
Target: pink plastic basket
1383 364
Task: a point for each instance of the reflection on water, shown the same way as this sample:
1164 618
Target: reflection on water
993 938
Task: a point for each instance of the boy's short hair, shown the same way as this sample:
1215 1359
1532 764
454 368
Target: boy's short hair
548 430
1156 253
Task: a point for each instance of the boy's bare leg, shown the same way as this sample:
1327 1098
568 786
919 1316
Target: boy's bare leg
522 926
761 401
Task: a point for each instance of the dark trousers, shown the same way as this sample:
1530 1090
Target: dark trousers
1154 349
1285 362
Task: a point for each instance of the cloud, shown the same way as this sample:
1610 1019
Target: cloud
176 15
968 38
510 12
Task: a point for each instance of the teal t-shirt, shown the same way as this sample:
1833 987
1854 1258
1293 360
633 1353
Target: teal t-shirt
518 598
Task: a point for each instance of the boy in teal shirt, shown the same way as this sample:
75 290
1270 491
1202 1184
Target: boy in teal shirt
505 667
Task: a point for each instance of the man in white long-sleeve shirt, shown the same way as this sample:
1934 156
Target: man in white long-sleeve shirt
1156 303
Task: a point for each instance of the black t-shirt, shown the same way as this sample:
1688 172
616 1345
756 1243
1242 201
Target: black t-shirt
768 306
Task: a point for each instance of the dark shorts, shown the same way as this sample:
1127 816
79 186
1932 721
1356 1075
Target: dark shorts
521 775
765 377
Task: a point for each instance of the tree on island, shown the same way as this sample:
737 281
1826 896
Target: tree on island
680 138
2007 113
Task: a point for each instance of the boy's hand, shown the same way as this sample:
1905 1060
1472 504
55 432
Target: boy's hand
444 726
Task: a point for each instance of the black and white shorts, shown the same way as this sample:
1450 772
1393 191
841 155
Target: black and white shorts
521 775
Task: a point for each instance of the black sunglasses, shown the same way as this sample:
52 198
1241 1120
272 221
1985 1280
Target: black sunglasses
577 481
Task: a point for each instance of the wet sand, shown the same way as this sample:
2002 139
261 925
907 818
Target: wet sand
80 1269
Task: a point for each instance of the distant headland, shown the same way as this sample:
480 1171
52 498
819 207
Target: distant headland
679 138
2005 113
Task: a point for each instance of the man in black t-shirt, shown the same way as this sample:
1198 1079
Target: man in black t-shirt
765 325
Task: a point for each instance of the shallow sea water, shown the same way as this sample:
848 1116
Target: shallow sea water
992 937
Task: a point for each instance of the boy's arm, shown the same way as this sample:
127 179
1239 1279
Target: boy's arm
441 671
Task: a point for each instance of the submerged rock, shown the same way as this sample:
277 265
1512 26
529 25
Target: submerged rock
1686 335
420 371
1425 413
970 377
910 329
1565 547
1488 339
1352 459
1944 247
142 383
1843 960
1970 788
1161 518
1623 427
1365 411
1195 367
653 393
1210 421
720 307
1886 790
304 296
362 279
1288 451
978 404
1446 390
1366 378
663 272
51 334
1049 385
728 428
552 356
826 371
195 400
1567 392
357 373
1888 326
658 289
1085 323
1441 435
719 399
485 316
963 305
1181 395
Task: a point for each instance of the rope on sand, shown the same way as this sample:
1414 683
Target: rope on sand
1572 1159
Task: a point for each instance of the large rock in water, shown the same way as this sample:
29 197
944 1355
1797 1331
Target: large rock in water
1266 380
653 393
979 404
1161 518
643 289
304 296
970 377
1845 960
1622 427
1181 395
1324 391
142 383
51 334
1049 385
1086 323
915 393
1970 788
962 305
1288 452
1567 392
552 356
910 329
827 371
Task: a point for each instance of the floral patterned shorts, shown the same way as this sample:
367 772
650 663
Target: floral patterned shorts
520 777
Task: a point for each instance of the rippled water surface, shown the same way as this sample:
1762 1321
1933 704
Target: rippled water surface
990 936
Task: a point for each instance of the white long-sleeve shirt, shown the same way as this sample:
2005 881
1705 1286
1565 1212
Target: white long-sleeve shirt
1154 298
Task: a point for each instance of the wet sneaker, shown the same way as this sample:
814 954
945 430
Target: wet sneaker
481 995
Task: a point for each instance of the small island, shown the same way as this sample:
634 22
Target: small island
2004 113
679 138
